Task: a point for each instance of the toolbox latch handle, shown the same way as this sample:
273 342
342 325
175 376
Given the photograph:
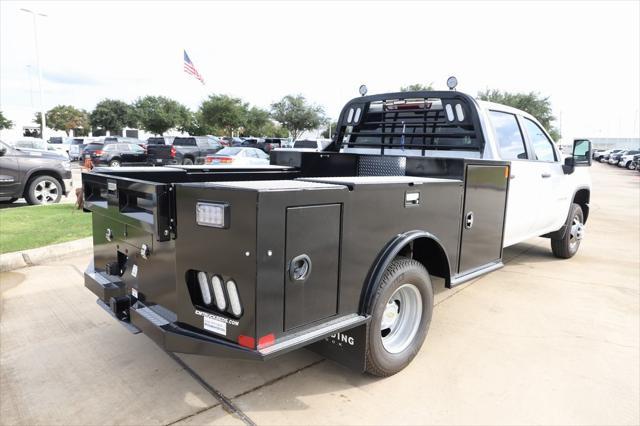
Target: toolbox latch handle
300 268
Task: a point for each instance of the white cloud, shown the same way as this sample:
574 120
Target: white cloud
584 55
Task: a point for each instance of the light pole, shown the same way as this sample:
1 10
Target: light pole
43 119
30 85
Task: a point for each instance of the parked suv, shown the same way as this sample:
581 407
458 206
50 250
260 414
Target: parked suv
91 151
39 177
614 159
121 154
607 155
626 159
125 140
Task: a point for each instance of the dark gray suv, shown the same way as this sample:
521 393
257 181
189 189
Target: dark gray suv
38 176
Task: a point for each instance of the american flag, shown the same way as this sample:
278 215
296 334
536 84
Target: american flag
189 68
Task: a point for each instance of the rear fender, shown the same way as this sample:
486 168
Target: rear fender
403 245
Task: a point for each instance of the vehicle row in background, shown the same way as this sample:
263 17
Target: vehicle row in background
618 157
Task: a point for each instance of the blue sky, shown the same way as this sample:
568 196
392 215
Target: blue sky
584 55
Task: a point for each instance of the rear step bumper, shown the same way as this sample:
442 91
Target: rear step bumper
172 337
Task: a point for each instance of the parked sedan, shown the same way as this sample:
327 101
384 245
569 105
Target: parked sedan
238 155
120 154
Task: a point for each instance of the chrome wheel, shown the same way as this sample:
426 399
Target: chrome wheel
401 318
45 192
577 232
114 163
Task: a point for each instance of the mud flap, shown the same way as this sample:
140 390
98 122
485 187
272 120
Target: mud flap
348 348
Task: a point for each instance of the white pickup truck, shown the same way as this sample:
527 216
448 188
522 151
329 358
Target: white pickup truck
333 250
547 194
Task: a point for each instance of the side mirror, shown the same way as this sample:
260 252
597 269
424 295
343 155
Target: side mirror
581 156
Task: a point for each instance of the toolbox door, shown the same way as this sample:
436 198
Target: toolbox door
483 216
311 264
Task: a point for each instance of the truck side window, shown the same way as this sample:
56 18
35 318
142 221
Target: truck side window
542 146
510 142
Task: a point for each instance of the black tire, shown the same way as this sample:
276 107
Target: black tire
187 161
602 160
8 201
115 162
402 271
567 246
631 165
43 189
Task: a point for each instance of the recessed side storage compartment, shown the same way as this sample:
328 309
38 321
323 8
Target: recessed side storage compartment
312 262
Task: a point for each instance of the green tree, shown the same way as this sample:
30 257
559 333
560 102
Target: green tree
5 123
222 114
330 130
255 122
297 115
193 125
274 130
417 87
158 114
66 117
532 102
113 115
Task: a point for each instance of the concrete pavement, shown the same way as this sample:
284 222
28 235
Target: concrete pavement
542 341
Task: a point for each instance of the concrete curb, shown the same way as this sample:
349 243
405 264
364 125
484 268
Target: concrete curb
36 256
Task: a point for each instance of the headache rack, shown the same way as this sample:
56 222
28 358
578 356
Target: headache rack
425 120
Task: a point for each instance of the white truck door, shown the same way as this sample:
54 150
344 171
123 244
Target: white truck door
523 202
553 184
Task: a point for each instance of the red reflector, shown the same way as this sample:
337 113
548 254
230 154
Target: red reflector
247 341
267 340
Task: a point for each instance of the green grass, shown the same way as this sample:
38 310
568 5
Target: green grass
36 226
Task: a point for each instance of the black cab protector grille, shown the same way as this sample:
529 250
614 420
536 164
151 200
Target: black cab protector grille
431 120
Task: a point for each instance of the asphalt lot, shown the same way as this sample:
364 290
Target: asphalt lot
542 341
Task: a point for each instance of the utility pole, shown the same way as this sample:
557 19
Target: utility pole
43 119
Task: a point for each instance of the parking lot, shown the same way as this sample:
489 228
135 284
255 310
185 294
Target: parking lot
542 341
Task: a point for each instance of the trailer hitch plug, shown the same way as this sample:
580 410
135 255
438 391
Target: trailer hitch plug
120 307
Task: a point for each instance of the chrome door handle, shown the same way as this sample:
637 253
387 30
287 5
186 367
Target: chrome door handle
546 175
